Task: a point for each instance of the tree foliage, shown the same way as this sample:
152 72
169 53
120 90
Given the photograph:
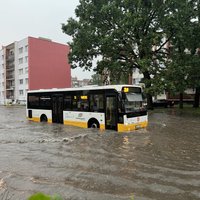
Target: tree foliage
127 34
184 59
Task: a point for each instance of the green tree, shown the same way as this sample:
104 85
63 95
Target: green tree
194 72
194 78
123 35
96 79
183 47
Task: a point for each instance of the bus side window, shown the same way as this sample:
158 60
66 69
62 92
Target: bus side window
33 101
83 104
120 104
101 103
45 102
67 102
75 103
93 103
96 103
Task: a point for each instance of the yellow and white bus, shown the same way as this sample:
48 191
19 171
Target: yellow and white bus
116 107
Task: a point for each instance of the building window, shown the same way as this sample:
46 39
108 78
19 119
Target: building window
21 92
26 48
26 81
20 71
12 83
26 70
26 59
20 50
20 81
20 60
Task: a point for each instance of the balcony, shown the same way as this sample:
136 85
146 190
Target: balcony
10 88
10 94
10 58
11 97
10 77
9 69
10 85
10 64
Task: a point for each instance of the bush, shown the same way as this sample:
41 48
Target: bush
41 196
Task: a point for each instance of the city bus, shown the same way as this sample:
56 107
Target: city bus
115 107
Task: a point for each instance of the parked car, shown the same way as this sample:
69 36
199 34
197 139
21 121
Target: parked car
163 103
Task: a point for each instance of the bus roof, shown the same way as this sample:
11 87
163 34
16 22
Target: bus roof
90 87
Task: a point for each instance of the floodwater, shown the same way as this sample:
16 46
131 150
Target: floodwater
160 162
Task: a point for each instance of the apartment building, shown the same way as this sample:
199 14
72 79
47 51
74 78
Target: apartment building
75 82
136 76
31 64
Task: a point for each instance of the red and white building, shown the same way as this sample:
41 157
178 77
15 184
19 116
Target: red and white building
32 64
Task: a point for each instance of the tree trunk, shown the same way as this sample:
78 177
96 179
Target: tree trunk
149 102
181 100
148 95
196 98
130 79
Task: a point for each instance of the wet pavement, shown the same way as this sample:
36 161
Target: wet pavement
160 162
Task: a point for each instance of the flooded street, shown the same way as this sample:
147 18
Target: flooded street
158 163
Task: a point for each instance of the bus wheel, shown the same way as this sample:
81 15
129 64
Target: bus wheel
93 123
43 118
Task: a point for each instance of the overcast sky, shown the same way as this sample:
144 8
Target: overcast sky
37 18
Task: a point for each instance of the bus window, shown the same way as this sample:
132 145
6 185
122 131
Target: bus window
83 104
133 102
33 101
111 111
80 103
45 102
120 104
96 103
67 102
74 103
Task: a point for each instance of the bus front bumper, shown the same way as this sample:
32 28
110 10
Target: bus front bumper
131 127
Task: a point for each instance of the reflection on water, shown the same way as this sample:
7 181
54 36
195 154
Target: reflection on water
161 162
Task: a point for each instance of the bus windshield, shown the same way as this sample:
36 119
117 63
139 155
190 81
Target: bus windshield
133 102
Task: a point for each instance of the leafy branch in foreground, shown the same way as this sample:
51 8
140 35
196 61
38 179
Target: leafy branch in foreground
41 196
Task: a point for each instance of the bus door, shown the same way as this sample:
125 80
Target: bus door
111 112
57 108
